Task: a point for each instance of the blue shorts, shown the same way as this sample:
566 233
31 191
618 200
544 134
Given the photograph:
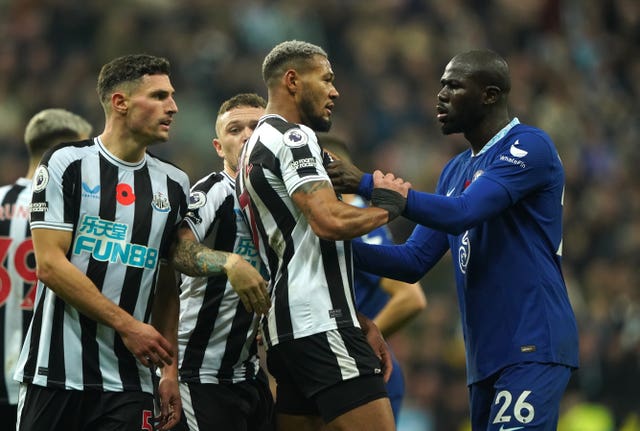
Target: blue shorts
523 396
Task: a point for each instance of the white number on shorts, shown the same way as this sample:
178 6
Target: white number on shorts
522 410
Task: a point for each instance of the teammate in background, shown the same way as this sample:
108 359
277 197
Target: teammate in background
390 303
18 270
221 382
498 208
104 216
319 348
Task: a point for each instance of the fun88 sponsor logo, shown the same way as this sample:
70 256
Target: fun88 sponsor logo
105 241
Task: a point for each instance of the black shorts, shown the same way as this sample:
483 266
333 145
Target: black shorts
48 409
325 374
239 406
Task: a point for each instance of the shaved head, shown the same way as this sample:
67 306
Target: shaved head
485 67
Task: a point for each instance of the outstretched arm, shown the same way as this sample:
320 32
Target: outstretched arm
195 259
333 219
407 262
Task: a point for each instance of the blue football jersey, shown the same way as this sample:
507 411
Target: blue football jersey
500 214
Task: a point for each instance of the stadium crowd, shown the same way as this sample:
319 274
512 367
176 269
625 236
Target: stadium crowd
575 66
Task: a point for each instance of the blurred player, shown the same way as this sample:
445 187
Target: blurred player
18 270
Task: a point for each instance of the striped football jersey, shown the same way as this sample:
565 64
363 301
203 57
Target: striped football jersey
17 281
216 335
122 217
310 278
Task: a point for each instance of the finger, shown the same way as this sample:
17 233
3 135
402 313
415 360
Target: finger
246 302
164 354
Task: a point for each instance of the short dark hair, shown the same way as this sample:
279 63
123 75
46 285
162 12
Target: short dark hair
129 68
288 55
52 126
242 99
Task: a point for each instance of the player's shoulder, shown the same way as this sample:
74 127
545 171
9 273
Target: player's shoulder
69 151
171 169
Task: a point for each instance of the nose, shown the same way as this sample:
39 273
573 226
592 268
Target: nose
443 95
333 94
246 134
172 107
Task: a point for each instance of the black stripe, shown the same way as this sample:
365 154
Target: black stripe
280 124
141 229
34 345
242 324
335 283
71 186
286 224
199 340
221 235
302 153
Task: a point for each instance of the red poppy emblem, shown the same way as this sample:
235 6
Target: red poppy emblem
124 194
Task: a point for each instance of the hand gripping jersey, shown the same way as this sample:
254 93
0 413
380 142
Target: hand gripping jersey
122 217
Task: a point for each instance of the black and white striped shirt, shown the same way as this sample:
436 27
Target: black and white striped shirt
17 281
311 278
216 335
122 216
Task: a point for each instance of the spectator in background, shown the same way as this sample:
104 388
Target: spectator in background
319 348
18 270
498 208
390 303
221 382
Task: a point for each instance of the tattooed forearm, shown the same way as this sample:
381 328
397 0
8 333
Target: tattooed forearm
194 259
314 186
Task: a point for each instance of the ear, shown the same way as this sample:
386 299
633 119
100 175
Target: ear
119 103
218 146
291 80
491 94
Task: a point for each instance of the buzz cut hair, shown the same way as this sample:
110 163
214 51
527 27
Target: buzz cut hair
291 54
52 126
243 99
129 68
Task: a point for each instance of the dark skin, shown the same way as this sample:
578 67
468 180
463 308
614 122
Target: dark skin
472 101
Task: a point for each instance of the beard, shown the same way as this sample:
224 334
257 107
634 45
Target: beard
317 123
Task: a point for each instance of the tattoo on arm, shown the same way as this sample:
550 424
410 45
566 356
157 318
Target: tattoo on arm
313 186
197 260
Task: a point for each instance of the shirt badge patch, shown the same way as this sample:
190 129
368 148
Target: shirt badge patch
295 138
517 152
40 178
197 200
160 202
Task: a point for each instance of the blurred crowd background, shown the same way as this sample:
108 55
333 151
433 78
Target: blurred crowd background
575 68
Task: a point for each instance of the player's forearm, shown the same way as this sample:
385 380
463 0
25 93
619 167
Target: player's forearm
407 300
197 260
165 314
77 290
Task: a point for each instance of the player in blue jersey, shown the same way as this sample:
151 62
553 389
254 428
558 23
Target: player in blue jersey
390 303
498 208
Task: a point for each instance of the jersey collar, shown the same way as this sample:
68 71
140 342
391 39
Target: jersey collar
498 136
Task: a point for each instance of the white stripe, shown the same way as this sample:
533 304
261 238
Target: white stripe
347 364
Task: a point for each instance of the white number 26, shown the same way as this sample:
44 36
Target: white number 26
522 411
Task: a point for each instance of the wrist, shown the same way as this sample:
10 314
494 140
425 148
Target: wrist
365 186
